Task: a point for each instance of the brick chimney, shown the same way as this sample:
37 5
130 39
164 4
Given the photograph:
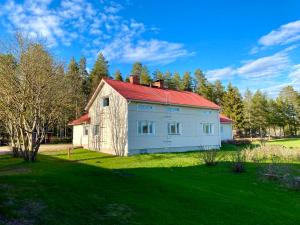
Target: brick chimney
134 79
158 84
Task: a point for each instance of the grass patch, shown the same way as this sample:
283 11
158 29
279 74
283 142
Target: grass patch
155 189
287 142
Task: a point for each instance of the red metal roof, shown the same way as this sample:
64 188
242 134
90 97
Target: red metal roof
81 120
165 96
224 119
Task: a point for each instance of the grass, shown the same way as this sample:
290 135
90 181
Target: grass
287 142
159 189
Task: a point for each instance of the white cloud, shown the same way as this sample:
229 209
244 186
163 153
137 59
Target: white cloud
220 74
96 27
285 34
265 67
295 74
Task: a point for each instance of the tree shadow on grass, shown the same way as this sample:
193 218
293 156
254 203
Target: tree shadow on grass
81 193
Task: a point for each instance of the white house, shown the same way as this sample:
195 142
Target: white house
128 118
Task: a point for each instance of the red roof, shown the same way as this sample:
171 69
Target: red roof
159 95
83 119
224 119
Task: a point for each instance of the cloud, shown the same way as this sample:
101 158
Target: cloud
265 67
96 27
285 34
295 74
220 74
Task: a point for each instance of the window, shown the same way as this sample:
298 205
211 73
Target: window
207 112
208 128
86 130
105 102
96 130
146 127
174 128
145 107
173 109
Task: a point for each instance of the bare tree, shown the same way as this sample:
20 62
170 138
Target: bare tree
32 95
117 111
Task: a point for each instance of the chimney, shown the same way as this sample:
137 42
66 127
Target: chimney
158 84
134 79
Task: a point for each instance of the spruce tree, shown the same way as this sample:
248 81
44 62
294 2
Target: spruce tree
145 76
248 114
118 75
99 71
259 110
233 106
168 80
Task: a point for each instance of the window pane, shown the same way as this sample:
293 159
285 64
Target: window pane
145 128
140 127
150 128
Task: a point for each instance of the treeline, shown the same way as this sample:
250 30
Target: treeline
255 114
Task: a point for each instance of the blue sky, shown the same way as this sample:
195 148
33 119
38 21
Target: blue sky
254 44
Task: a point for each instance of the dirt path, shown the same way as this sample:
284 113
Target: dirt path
43 148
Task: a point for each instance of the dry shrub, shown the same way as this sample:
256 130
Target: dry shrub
238 161
209 157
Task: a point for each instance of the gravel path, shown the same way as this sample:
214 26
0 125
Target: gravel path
43 148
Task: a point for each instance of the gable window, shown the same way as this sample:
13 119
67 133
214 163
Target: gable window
105 102
208 128
86 130
173 109
96 130
145 107
174 128
146 127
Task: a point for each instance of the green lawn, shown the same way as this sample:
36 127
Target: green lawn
158 189
288 142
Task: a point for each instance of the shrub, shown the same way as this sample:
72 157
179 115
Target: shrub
238 161
209 157
238 142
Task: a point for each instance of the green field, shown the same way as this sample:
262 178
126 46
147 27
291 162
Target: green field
158 189
291 142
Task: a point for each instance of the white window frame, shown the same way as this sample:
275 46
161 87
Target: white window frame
94 129
145 107
85 128
148 123
103 100
178 128
211 128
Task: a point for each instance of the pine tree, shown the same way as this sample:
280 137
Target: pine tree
248 117
168 80
218 93
187 82
137 69
202 85
74 83
145 76
177 82
118 75
99 71
157 75
233 106
86 88
259 110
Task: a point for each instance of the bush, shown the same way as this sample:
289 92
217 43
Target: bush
238 142
55 140
209 157
238 161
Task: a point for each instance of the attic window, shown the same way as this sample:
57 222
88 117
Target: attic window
105 102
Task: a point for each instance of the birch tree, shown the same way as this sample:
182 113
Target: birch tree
32 94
